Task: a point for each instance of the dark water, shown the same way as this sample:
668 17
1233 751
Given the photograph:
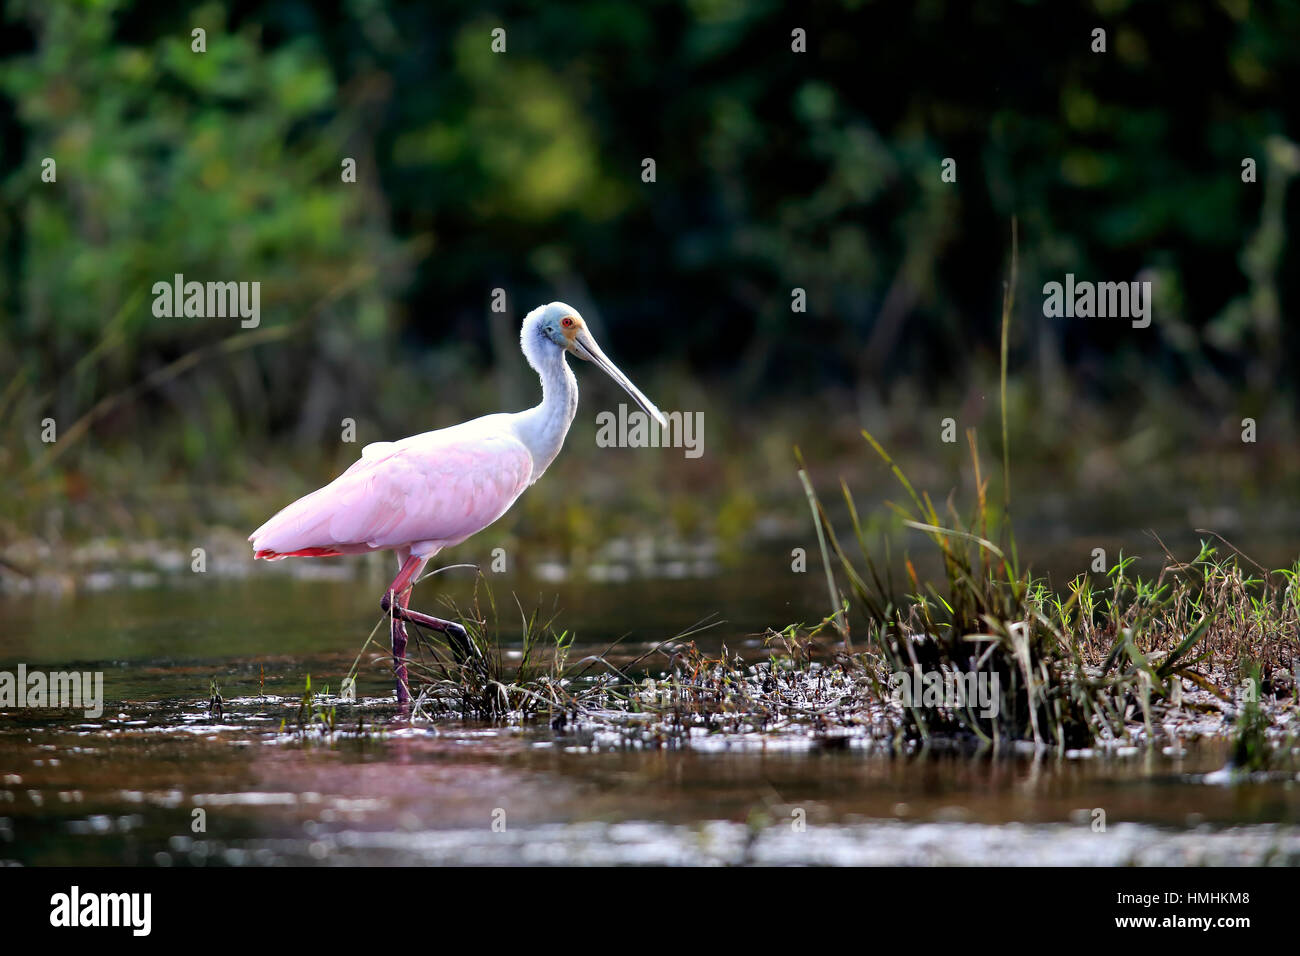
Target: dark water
132 785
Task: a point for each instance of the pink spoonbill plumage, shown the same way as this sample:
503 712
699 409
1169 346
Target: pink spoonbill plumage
421 494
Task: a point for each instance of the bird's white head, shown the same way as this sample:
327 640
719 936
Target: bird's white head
551 330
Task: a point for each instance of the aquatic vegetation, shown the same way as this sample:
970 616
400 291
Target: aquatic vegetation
1066 670
1110 666
491 680
497 680
313 715
1069 668
216 703
1250 746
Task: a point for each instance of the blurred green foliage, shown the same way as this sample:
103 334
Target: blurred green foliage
522 170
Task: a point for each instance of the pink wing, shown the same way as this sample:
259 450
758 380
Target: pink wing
437 488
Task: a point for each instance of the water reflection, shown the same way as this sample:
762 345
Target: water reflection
126 788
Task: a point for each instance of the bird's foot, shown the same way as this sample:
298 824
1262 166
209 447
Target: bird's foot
464 650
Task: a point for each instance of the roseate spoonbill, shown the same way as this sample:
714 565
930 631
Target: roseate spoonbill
430 491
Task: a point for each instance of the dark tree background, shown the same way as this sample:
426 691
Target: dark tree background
522 170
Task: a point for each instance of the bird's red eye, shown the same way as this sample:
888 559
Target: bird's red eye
567 323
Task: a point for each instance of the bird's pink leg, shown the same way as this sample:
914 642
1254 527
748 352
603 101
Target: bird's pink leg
398 596
396 600
399 647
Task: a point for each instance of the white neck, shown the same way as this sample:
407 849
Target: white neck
542 428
